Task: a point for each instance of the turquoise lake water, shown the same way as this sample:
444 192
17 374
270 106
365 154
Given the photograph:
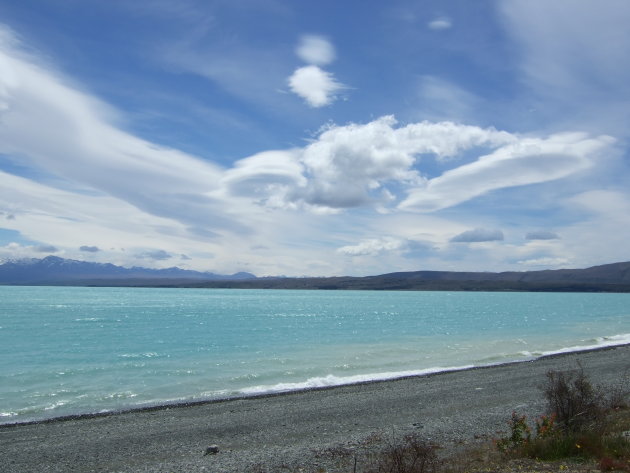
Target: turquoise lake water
68 350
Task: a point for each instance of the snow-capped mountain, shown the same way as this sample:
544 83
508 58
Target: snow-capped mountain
53 269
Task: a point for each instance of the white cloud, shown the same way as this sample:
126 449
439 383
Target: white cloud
268 178
347 164
352 165
315 50
378 162
478 235
441 23
316 86
373 246
528 161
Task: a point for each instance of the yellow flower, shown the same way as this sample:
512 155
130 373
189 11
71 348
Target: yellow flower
578 445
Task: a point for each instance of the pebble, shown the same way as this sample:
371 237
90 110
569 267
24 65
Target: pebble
212 450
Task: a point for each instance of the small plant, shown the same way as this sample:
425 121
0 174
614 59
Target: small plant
520 434
546 427
573 400
411 455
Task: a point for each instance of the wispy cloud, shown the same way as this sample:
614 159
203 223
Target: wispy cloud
574 57
65 132
316 50
440 23
442 99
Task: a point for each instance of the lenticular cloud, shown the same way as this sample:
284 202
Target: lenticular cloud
381 162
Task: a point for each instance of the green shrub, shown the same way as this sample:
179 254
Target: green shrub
520 434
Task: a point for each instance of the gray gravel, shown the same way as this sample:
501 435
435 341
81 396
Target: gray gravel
283 433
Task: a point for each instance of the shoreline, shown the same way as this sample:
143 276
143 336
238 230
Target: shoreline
175 404
297 429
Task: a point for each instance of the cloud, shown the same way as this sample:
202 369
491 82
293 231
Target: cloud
266 177
526 161
64 218
441 23
380 163
567 58
316 86
65 133
478 235
99 180
45 249
600 235
570 39
315 50
89 249
541 235
405 247
547 262
159 255
442 99
373 246
350 165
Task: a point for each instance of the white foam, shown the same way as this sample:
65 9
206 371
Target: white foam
150 354
333 380
600 342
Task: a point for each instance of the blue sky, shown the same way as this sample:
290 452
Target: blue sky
316 138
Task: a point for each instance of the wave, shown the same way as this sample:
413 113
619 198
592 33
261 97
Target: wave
599 342
331 380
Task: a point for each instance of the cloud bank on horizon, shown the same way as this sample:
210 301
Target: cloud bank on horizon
392 142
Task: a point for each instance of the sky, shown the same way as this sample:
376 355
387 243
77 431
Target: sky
323 138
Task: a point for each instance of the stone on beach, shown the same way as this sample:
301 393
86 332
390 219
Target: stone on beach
212 450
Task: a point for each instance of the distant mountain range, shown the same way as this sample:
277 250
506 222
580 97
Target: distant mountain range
613 277
53 270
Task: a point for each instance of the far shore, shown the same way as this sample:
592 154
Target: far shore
298 429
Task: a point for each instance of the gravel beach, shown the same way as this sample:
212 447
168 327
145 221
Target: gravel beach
301 431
